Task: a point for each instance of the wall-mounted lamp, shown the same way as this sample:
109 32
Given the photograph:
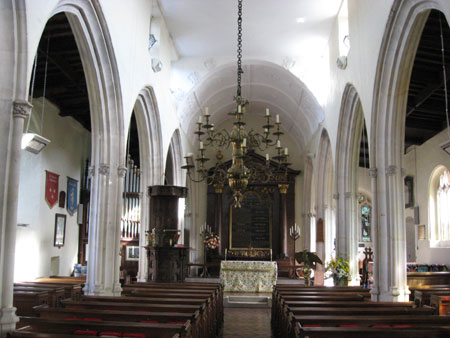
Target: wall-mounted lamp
34 143
151 41
156 65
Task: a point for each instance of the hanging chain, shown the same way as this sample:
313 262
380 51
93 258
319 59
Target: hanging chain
239 49
444 74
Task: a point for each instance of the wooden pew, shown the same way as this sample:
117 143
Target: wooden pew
56 294
370 332
72 291
198 327
205 322
441 304
24 301
422 297
209 311
58 326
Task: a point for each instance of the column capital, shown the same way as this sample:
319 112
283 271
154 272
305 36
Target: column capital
122 171
391 170
218 188
336 196
21 109
283 188
348 194
373 172
103 169
91 171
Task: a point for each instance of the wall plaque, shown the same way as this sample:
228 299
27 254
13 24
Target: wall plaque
251 225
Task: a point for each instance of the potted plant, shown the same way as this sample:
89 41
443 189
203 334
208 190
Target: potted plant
309 261
340 271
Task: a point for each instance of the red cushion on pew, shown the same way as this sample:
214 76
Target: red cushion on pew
348 325
110 334
182 323
402 326
85 332
381 326
150 321
312 325
134 335
72 318
93 319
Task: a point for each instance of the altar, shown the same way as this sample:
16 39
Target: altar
248 276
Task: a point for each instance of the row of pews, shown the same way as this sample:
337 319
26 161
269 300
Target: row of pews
164 310
436 296
299 311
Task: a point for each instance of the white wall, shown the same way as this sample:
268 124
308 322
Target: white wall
419 162
65 155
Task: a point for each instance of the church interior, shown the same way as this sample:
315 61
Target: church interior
225 168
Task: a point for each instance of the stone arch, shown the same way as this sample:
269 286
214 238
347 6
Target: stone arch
94 43
397 53
150 154
324 193
175 159
308 216
350 126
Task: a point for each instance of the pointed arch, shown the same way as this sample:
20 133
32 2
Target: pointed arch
395 62
351 119
324 194
150 154
175 158
94 43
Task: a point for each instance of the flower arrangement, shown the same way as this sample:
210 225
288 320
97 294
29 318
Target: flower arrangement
211 240
339 268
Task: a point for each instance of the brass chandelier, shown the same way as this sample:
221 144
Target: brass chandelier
244 169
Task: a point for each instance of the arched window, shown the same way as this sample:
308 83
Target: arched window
443 206
365 216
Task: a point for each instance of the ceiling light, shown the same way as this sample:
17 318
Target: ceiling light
300 20
243 168
151 41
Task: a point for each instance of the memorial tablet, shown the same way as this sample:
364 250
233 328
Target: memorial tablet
251 225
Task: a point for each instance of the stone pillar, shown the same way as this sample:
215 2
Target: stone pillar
375 292
284 226
351 237
104 233
8 318
218 188
391 240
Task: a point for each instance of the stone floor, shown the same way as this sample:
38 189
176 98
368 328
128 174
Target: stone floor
245 322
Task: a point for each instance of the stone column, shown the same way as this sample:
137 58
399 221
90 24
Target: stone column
284 226
104 233
8 318
218 188
391 240
375 292
351 237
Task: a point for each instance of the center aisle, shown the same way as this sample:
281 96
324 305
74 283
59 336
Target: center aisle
246 322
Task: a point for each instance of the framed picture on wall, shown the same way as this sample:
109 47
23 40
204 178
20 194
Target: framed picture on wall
60 230
132 253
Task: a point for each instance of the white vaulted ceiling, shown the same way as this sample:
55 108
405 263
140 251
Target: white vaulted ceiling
276 33
264 85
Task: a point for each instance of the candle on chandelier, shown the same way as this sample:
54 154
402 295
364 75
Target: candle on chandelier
267 157
239 109
200 119
201 145
278 118
266 130
206 111
244 143
286 151
267 112
278 144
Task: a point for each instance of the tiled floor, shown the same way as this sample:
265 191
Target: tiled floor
244 323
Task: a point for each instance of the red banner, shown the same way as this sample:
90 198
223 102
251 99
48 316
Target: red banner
51 188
